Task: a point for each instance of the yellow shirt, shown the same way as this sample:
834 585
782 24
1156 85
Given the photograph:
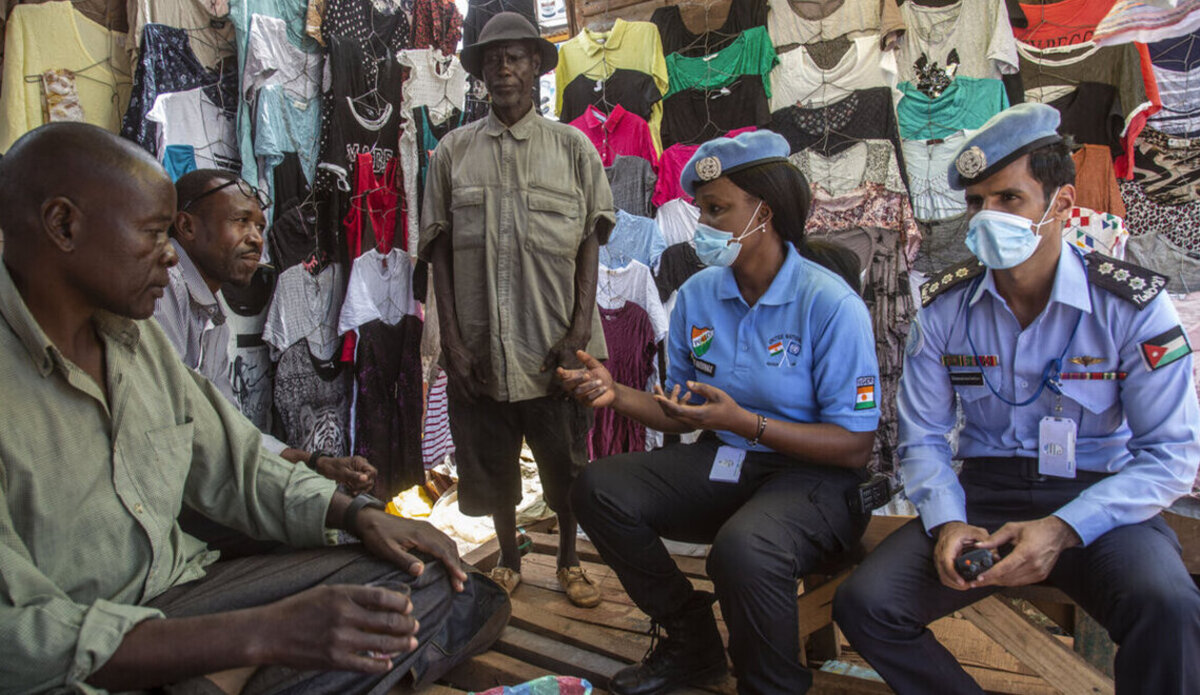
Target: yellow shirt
51 36
628 45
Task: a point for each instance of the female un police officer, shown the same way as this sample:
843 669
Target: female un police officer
774 354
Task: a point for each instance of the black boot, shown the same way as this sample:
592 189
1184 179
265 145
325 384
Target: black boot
691 653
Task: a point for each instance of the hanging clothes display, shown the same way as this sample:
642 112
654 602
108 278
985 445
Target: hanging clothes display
380 307
631 354
865 114
632 180
210 32
1095 184
800 80
192 118
166 64
312 403
677 38
1176 66
967 103
419 139
634 91
628 45
54 36
968 38
617 133
633 238
696 115
810 21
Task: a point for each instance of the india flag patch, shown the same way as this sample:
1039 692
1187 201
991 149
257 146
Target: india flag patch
775 349
865 397
1166 348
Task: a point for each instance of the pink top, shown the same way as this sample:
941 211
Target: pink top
618 133
670 167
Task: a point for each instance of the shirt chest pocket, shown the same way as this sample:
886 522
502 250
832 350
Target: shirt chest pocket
1095 406
554 223
172 446
468 215
970 387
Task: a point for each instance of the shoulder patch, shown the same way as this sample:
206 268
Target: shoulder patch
953 276
1128 281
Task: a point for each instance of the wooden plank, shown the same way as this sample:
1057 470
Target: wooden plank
557 656
541 570
1093 643
825 683
992 680
815 606
1188 530
619 616
547 544
605 641
435 689
491 669
484 557
1049 658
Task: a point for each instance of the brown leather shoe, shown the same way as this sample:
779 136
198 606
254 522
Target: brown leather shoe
581 590
506 578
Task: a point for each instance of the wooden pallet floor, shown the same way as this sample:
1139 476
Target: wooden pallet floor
549 635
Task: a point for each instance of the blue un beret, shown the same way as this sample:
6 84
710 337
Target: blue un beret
724 155
1005 137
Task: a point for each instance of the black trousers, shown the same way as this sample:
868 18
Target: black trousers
766 530
454 626
1131 580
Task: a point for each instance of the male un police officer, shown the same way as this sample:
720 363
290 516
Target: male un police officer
1075 378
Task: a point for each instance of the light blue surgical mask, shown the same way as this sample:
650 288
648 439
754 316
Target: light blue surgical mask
1002 240
720 249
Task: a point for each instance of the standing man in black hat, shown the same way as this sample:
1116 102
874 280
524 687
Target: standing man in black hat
516 207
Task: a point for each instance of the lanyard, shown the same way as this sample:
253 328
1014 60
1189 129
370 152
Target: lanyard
1050 374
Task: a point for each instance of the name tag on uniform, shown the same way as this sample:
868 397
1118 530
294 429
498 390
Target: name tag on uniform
727 466
1056 447
704 367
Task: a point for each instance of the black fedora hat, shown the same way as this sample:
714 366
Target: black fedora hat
506 26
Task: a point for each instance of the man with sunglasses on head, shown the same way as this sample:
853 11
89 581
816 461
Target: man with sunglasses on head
218 235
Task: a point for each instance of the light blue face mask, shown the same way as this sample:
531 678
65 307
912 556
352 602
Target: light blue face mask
1002 240
720 249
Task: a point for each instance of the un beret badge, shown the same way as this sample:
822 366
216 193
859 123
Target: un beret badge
971 162
708 168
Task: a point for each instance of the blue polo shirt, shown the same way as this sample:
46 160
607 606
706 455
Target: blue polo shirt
803 353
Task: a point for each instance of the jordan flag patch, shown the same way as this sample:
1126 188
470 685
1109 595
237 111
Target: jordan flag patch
1166 348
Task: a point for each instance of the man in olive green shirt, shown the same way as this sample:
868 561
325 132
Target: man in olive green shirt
515 209
107 435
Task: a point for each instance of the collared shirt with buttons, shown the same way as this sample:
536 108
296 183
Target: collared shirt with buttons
1144 427
91 486
518 202
803 353
191 316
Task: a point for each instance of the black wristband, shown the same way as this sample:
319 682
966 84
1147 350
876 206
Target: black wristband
356 505
312 459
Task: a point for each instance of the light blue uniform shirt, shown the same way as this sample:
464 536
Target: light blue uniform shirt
803 353
1144 428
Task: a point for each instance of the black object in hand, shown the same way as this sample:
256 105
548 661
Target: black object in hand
973 563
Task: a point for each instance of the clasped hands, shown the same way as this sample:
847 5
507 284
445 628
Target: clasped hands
1036 546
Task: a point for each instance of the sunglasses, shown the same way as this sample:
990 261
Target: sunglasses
263 200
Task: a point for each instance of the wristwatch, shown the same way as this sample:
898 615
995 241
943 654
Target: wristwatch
356 505
312 459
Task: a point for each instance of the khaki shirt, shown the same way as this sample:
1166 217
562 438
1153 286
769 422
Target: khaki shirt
90 489
518 202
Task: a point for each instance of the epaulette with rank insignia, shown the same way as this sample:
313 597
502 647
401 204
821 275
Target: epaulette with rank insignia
955 275
1130 282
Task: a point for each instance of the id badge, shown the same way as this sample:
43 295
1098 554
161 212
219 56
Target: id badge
727 466
1056 447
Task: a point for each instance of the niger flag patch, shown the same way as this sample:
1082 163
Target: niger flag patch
1166 348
